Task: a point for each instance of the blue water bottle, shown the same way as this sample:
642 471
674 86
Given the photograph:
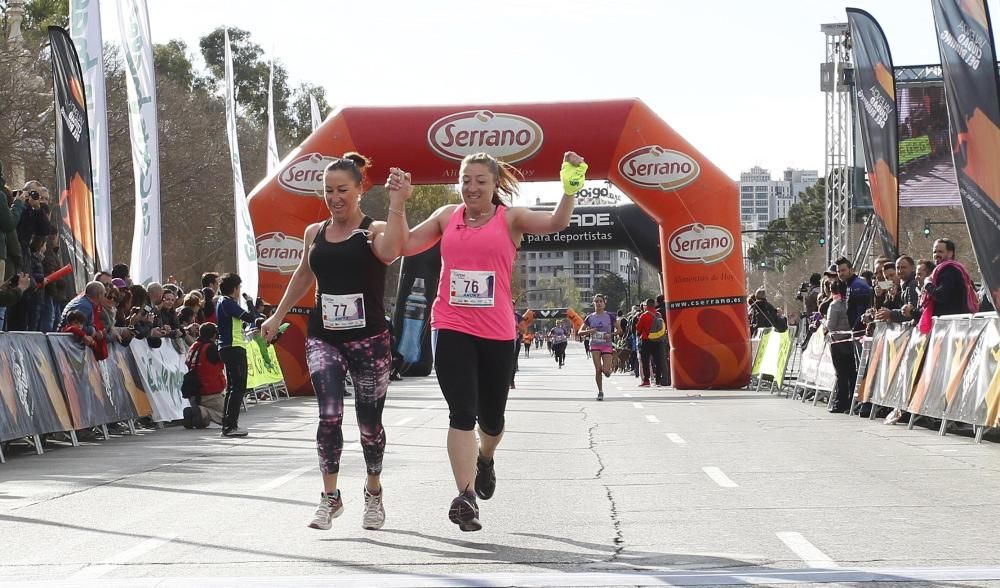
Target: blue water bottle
414 313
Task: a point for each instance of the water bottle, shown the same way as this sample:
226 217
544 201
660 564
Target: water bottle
414 313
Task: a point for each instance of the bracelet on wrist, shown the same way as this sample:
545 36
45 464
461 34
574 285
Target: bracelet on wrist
399 212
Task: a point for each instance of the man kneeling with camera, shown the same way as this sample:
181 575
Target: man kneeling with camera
205 381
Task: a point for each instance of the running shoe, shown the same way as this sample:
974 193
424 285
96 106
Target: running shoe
234 432
600 395
374 516
330 507
464 512
486 478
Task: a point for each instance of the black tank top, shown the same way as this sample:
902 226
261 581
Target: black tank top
343 269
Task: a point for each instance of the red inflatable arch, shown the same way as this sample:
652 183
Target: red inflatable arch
695 204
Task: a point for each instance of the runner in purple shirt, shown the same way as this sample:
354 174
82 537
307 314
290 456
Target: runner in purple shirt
601 326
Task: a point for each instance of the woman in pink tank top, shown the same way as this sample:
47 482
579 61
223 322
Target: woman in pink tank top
472 316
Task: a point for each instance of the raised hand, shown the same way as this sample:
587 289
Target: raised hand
398 184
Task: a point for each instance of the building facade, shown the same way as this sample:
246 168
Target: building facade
764 199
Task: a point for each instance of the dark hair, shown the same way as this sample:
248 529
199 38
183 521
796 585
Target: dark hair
844 261
36 243
353 163
908 259
815 279
839 287
948 244
229 283
504 174
75 316
602 297
139 295
120 271
208 331
650 302
97 276
208 278
186 315
927 265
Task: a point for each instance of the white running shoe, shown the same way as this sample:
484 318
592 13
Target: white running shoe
374 516
330 507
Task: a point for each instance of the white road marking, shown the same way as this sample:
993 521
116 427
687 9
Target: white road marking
652 418
637 404
403 422
660 577
809 553
98 570
676 438
719 477
282 480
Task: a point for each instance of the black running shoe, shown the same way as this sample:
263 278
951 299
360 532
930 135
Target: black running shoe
486 479
600 395
464 512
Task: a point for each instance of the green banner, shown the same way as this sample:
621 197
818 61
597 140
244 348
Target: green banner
758 357
262 364
910 149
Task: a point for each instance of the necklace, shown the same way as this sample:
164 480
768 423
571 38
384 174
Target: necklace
472 219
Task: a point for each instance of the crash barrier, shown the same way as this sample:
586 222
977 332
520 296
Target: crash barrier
951 374
771 352
49 383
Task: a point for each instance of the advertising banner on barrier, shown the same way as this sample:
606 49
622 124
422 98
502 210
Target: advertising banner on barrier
31 395
951 343
901 387
871 356
968 64
82 383
812 355
161 371
74 185
758 358
775 348
875 95
893 339
125 378
262 364
969 402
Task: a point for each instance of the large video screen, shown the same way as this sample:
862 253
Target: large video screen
926 171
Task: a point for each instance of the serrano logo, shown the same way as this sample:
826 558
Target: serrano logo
698 243
655 167
304 175
277 252
507 137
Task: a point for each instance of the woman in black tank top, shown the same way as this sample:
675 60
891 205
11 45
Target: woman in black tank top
345 258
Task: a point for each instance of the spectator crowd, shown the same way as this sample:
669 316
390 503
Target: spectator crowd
850 304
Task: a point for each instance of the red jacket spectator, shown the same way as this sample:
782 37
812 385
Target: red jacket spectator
645 323
204 357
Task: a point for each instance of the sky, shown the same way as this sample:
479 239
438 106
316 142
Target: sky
738 79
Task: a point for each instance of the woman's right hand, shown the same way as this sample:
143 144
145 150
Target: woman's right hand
269 329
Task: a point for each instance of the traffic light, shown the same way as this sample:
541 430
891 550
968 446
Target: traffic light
927 228
822 240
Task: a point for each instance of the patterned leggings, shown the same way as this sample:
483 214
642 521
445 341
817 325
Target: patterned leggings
369 362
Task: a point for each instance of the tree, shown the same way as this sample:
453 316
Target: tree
564 294
793 237
300 115
614 289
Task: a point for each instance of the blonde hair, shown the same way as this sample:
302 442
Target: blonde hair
504 174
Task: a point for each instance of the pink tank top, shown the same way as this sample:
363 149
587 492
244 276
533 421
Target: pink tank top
474 290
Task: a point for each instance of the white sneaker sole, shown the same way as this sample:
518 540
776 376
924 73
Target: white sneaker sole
328 525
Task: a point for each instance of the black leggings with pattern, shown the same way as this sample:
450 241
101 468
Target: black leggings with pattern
369 362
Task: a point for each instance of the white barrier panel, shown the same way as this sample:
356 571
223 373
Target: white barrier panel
162 372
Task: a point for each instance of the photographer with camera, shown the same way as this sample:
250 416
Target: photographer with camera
31 212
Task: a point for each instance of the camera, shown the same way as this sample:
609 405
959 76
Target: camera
803 288
34 195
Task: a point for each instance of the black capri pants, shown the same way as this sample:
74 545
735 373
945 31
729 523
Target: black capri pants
474 375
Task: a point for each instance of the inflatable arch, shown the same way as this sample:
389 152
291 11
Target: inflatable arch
695 205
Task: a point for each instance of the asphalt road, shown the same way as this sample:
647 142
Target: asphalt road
653 486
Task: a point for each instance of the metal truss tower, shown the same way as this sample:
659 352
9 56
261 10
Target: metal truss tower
836 84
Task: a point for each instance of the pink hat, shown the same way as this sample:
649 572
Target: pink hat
119 283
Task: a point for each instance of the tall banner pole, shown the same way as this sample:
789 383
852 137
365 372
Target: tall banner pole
272 143
875 96
968 57
246 244
317 118
147 256
73 177
85 30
